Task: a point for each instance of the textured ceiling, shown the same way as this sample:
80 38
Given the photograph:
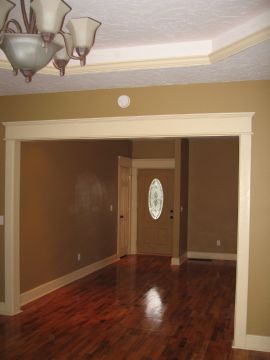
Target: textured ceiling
128 23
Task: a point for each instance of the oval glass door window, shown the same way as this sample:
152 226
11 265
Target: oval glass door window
155 199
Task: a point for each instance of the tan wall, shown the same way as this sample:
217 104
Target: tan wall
213 195
67 188
202 98
153 149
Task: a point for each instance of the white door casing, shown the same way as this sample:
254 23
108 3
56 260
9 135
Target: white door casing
156 126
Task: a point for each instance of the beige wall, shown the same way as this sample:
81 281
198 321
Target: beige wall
153 149
67 188
213 195
202 98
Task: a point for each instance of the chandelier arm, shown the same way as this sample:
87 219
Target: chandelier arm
56 66
25 18
32 22
14 22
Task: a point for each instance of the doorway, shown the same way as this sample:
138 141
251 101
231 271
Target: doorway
153 126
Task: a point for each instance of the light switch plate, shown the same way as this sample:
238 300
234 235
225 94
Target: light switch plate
1 220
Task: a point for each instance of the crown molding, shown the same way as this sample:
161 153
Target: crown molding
170 55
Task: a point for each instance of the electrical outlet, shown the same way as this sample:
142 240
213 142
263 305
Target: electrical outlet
218 242
79 257
111 208
1 220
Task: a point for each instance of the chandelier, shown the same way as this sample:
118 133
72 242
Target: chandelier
44 39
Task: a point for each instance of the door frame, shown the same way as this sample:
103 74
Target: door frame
124 162
136 165
130 127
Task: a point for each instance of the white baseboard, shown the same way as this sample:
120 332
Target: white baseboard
255 343
50 286
3 310
211 256
177 261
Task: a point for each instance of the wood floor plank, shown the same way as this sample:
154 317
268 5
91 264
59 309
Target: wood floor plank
139 308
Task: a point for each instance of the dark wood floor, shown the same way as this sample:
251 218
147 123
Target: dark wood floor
137 309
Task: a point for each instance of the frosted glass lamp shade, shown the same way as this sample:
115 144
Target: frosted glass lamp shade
83 31
50 14
25 51
64 53
5 8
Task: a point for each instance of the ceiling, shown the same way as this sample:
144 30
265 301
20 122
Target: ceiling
157 42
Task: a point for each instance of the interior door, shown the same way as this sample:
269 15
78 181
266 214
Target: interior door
124 202
155 211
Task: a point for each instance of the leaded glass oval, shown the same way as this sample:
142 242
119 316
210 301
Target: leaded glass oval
155 199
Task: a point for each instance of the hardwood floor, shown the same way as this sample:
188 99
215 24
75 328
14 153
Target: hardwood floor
137 309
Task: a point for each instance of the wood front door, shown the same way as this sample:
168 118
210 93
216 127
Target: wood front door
124 202
154 235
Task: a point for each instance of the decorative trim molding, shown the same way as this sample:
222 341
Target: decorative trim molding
153 163
50 286
258 343
161 56
211 256
177 261
240 45
255 343
153 126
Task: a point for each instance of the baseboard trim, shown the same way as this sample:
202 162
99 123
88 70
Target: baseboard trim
3 310
255 343
211 256
177 261
50 286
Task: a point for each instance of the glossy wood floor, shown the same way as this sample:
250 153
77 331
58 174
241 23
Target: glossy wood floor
137 309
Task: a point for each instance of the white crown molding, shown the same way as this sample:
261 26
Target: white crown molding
170 55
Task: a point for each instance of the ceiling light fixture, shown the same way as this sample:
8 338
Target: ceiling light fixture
43 39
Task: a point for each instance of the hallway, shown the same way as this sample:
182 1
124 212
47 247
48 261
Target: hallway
139 308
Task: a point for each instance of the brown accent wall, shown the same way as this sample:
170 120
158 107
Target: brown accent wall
67 188
196 98
184 186
153 149
213 194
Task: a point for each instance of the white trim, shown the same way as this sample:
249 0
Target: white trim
234 124
50 286
256 343
169 55
175 261
150 126
142 164
211 256
153 163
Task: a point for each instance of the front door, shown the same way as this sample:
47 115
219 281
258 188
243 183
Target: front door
155 211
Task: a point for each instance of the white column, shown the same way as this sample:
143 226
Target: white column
12 227
241 297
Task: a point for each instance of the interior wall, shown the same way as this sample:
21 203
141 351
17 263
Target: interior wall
184 189
197 98
153 149
213 195
67 188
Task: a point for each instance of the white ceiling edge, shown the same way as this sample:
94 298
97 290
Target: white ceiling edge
175 54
